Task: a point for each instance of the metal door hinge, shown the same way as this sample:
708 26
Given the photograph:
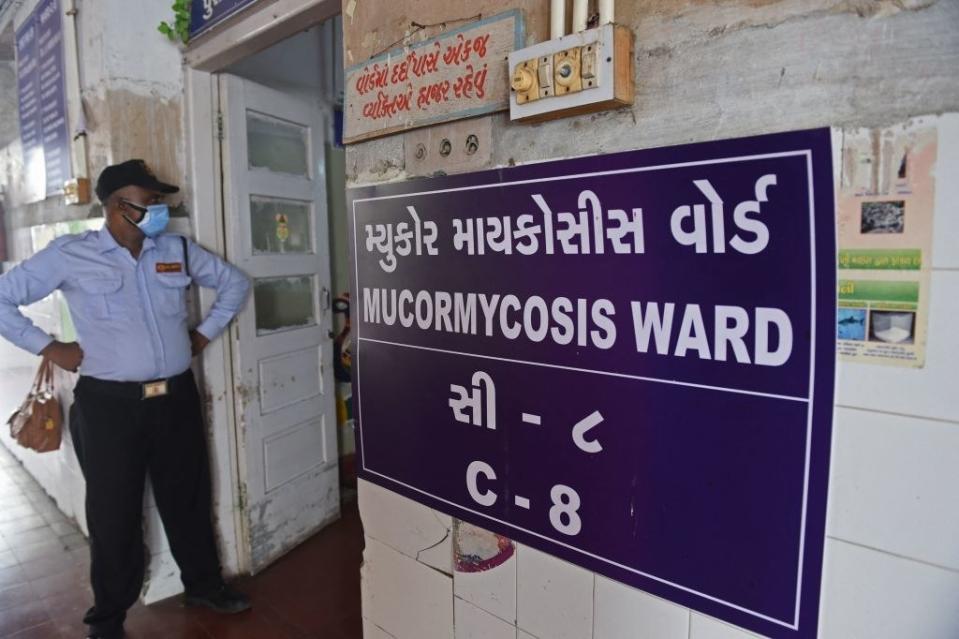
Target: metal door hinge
219 126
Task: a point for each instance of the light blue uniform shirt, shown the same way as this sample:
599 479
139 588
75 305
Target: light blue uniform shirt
130 315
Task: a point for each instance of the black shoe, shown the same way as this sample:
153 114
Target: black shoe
224 599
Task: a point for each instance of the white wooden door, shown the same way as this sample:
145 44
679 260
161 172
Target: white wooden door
276 228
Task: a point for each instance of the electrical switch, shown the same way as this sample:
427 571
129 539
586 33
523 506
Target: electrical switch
545 76
525 81
567 71
588 65
583 72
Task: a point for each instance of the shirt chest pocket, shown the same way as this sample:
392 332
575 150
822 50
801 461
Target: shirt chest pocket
101 297
171 294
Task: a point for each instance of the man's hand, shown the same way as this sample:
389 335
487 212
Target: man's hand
197 342
67 356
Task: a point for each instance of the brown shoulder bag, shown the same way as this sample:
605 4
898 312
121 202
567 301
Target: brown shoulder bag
38 421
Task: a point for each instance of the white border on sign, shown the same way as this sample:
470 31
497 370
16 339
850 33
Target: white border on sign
808 400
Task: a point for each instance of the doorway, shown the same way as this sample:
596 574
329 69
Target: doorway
275 175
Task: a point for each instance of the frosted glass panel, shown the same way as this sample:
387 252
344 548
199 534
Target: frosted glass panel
280 226
283 303
277 145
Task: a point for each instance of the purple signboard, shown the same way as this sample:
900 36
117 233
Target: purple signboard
205 14
625 360
44 134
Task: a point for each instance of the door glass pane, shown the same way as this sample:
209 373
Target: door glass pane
277 145
283 303
280 226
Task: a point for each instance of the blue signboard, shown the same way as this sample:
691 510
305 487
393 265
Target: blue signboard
44 132
205 14
625 360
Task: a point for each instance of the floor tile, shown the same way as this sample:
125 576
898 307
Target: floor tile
74 541
44 579
46 566
145 622
63 528
12 576
17 512
37 550
70 626
57 584
47 630
72 602
27 615
33 535
13 596
23 524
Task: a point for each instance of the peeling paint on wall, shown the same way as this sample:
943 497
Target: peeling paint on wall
479 550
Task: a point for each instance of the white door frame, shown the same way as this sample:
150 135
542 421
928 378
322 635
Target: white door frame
258 29
203 161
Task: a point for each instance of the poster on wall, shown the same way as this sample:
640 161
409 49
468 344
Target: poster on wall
458 74
885 210
625 360
44 133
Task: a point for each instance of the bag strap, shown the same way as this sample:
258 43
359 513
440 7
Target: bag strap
186 256
50 372
39 377
44 378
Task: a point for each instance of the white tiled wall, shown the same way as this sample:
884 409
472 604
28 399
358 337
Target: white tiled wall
621 612
891 566
492 590
475 623
406 526
404 597
869 595
701 627
895 485
554 598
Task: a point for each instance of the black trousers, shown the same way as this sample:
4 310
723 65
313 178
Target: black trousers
119 439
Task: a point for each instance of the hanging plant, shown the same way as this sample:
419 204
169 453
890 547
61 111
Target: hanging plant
180 29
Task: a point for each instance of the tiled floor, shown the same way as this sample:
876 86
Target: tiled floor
313 592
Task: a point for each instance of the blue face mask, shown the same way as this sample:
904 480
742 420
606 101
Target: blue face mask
155 219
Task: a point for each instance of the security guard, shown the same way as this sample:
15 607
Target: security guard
136 409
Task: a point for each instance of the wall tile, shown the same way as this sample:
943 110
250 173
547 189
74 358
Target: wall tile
873 595
372 631
411 528
945 230
153 533
621 612
492 590
473 623
702 627
894 485
163 578
554 598
926 392
404 597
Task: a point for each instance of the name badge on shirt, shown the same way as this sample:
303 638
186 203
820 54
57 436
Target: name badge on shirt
169 267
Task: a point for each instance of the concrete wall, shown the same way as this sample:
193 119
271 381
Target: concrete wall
710 70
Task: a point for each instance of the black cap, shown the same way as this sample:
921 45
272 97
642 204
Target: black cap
130 173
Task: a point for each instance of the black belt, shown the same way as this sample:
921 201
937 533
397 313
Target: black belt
139 390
